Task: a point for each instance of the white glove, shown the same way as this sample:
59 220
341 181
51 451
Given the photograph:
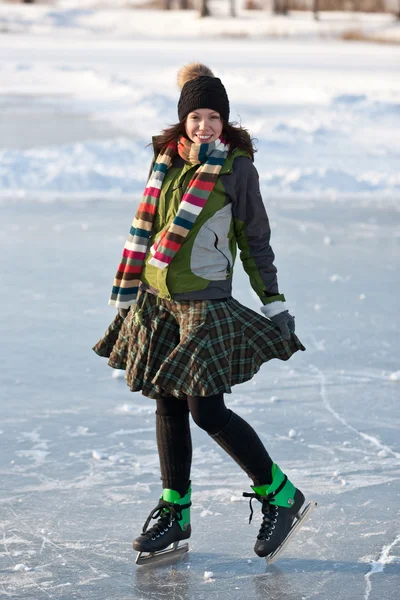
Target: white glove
273 308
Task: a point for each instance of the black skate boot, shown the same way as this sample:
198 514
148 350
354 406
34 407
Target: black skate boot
282 516
173 525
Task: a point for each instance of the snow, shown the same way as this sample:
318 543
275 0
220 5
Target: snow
21 567
84 20
99 455
395 376
329 133
82 92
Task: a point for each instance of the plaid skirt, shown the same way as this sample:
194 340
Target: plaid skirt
191 348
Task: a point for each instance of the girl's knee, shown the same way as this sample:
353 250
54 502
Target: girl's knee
169 406
209 413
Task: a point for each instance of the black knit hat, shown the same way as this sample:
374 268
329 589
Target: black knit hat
203 92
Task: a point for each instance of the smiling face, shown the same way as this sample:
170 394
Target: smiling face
203 126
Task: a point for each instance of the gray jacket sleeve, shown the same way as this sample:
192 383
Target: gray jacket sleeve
253 231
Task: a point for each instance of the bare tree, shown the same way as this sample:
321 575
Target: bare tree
204 10
316 9
252 5
184 4
280 7
233 10
167 4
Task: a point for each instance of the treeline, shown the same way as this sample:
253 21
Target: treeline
277 7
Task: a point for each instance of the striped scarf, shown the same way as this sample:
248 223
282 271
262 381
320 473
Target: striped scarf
210 157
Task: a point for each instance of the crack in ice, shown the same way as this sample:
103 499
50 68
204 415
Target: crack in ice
370 438
377 566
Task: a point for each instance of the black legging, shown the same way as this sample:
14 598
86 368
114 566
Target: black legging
229 430
209 412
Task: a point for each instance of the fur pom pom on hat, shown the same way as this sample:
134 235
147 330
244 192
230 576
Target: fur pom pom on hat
191 71
200 89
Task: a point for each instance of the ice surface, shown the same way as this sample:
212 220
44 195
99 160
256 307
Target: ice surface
78 458
71 518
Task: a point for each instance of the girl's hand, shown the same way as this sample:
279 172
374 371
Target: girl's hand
280 317
285 323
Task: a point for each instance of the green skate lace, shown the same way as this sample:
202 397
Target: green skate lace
167 513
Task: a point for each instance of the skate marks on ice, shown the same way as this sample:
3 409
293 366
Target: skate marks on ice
191 579
36 565
350 434
176 549
369 438
90 510
173 551
334 429
389 473
377 566
302 516
100 568
215 575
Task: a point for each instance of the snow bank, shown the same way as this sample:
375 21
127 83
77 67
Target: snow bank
83 91
91 18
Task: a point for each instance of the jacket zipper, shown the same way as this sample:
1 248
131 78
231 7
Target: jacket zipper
228 268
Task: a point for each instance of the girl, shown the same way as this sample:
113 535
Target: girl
180 336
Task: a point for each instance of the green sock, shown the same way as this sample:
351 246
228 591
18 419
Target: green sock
173 496
285 497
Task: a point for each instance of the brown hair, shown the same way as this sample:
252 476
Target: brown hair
236 137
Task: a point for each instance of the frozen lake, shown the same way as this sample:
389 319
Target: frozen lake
70 518
78 455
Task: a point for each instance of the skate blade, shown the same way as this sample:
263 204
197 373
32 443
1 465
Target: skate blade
300 520
145 558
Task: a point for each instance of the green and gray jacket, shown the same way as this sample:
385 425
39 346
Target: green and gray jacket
233 216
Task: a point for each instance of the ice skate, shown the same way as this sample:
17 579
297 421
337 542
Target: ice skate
282 513
173 525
